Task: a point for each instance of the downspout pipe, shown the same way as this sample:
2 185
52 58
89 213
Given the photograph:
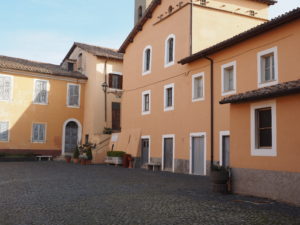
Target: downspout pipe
105 91
211 111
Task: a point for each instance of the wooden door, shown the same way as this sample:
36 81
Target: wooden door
145 151
116 116
71 137
198 165
168 154
225 150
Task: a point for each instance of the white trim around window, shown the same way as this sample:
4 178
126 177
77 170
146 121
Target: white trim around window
222 134
143 102
144 71
273 51
194 99
169 108
256 151
149 148
8 131
79 93
223 68
200 134
10 99
163 154
34 92
45 133
167 63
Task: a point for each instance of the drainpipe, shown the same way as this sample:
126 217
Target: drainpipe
211 110
105 91
191 28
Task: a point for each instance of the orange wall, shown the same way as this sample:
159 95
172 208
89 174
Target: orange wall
288 138
21 112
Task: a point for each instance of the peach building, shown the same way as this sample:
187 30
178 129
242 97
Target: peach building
48 109
40 105
171 113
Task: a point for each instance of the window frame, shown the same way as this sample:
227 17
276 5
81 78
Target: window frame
144 71
34 92
261 54
8 131
169 108
255 151
143 102
223 68
167 64
193 87
119 74
79 95
10 99
45 133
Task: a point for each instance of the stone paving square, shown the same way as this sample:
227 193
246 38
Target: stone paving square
56 193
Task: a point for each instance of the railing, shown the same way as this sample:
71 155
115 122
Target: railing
101 145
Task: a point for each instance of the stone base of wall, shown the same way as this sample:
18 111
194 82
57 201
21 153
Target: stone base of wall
53 153
182 166
281 186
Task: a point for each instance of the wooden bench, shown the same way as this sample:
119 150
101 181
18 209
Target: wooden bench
153 165
48 157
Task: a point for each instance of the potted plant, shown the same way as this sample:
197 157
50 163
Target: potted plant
115 157
68 158
89 154
220 178
76 155
107 130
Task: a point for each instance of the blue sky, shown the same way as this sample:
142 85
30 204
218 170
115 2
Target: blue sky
44 30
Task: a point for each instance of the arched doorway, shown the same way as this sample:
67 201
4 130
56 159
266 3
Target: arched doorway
71 136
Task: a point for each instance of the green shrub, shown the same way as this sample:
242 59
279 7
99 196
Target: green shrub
76 153
89 153
115 153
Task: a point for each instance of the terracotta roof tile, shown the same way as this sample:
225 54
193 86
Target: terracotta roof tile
282 89
10 63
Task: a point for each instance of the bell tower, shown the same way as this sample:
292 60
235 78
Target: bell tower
139 9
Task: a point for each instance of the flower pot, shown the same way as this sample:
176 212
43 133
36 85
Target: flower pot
68 159
76 161
83 161
220 177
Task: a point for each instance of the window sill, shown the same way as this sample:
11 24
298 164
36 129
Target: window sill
146 73
35 103
146 113
228 93
198 99
268 152
268 83
73 107
169 109
35 142
4 141
169 64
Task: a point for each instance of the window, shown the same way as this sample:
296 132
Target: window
73 95
203 2
70 66
4 126
198 87
169 97
140 12
267 67
170 50
5 88
79 62
40 92
229 79
146 102
115 81
147 60
263 126
38 133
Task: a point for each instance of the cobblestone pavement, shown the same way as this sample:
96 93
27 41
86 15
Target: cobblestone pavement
56 193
